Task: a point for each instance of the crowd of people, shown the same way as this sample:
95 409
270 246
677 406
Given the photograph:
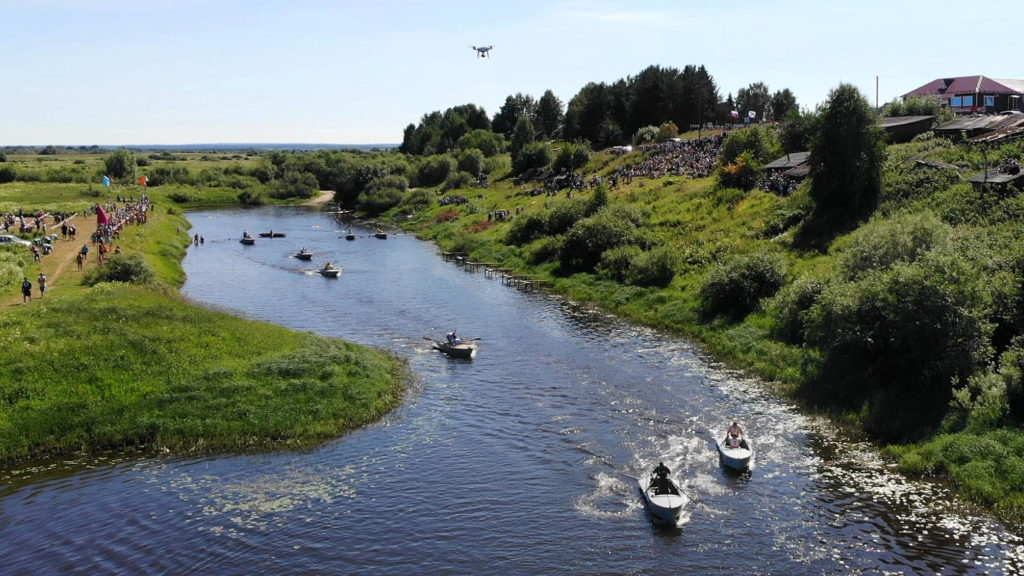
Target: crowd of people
111 218
694 158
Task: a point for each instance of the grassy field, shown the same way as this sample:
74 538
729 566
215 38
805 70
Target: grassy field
119 365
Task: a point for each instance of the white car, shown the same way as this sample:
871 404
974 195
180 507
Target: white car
7 239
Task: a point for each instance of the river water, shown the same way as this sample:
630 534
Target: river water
517 462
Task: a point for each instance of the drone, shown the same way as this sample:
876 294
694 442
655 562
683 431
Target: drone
481 51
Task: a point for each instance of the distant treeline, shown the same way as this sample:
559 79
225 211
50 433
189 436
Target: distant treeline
603 114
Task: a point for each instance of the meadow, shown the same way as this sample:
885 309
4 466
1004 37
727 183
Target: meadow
113 358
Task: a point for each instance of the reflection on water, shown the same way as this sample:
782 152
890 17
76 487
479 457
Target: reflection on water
521 461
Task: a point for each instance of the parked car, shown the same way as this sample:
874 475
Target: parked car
7 239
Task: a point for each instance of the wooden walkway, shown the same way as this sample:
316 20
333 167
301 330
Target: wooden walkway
524 282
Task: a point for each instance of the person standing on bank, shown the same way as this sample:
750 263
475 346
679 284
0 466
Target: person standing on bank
42 284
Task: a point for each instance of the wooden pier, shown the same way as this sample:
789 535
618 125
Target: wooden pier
524 282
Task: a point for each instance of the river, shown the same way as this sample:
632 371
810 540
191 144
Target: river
517 462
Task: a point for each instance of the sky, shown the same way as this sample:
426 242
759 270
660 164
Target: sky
137 72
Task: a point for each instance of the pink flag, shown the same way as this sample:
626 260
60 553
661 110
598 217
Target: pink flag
101 216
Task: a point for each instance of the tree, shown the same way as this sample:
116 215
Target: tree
847 154
485 141
753 98
521 136
549 116
782 103
798 131
508 115
121 164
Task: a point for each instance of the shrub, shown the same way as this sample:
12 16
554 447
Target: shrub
471 161
655 267
735 287
417 199
589 238
532 155
377 201
458 180
435 170
743 173
571 158
617 262
791 303
646 135
248 198
7 174
883 242
899 339
667 131
130 268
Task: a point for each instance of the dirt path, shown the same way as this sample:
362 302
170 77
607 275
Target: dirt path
59 266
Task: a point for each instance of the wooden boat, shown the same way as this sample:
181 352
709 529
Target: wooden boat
304 254
248 240
330 272
462 350
350 236
380 234
272 234
737 458
662 498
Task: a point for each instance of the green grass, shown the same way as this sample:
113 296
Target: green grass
123 366
126 366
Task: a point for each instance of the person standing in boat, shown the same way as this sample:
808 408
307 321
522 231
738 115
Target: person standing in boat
453 339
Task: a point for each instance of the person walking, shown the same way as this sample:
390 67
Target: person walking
42 284
26 291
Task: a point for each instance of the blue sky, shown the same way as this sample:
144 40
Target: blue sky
108 72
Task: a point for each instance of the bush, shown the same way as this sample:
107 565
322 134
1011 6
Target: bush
744 173
435 170
532 155
418 199
471 161
7 174
458 180
898 340
589 238
617 262
248 198
571 158
883 242
790 304
646 135
377 201
668 131
735 288
655 267
130 268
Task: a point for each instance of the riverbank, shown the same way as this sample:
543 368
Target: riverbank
118 365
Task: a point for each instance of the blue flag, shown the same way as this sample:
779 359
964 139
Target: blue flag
106 181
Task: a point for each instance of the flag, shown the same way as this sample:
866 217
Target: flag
735 114
142 180
106 181
101 216
752 114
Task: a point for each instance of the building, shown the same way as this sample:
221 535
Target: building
974 94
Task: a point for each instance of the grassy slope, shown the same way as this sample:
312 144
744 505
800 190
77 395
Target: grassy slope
703 225
119 365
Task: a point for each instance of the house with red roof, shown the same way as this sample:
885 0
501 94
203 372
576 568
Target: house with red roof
975 94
